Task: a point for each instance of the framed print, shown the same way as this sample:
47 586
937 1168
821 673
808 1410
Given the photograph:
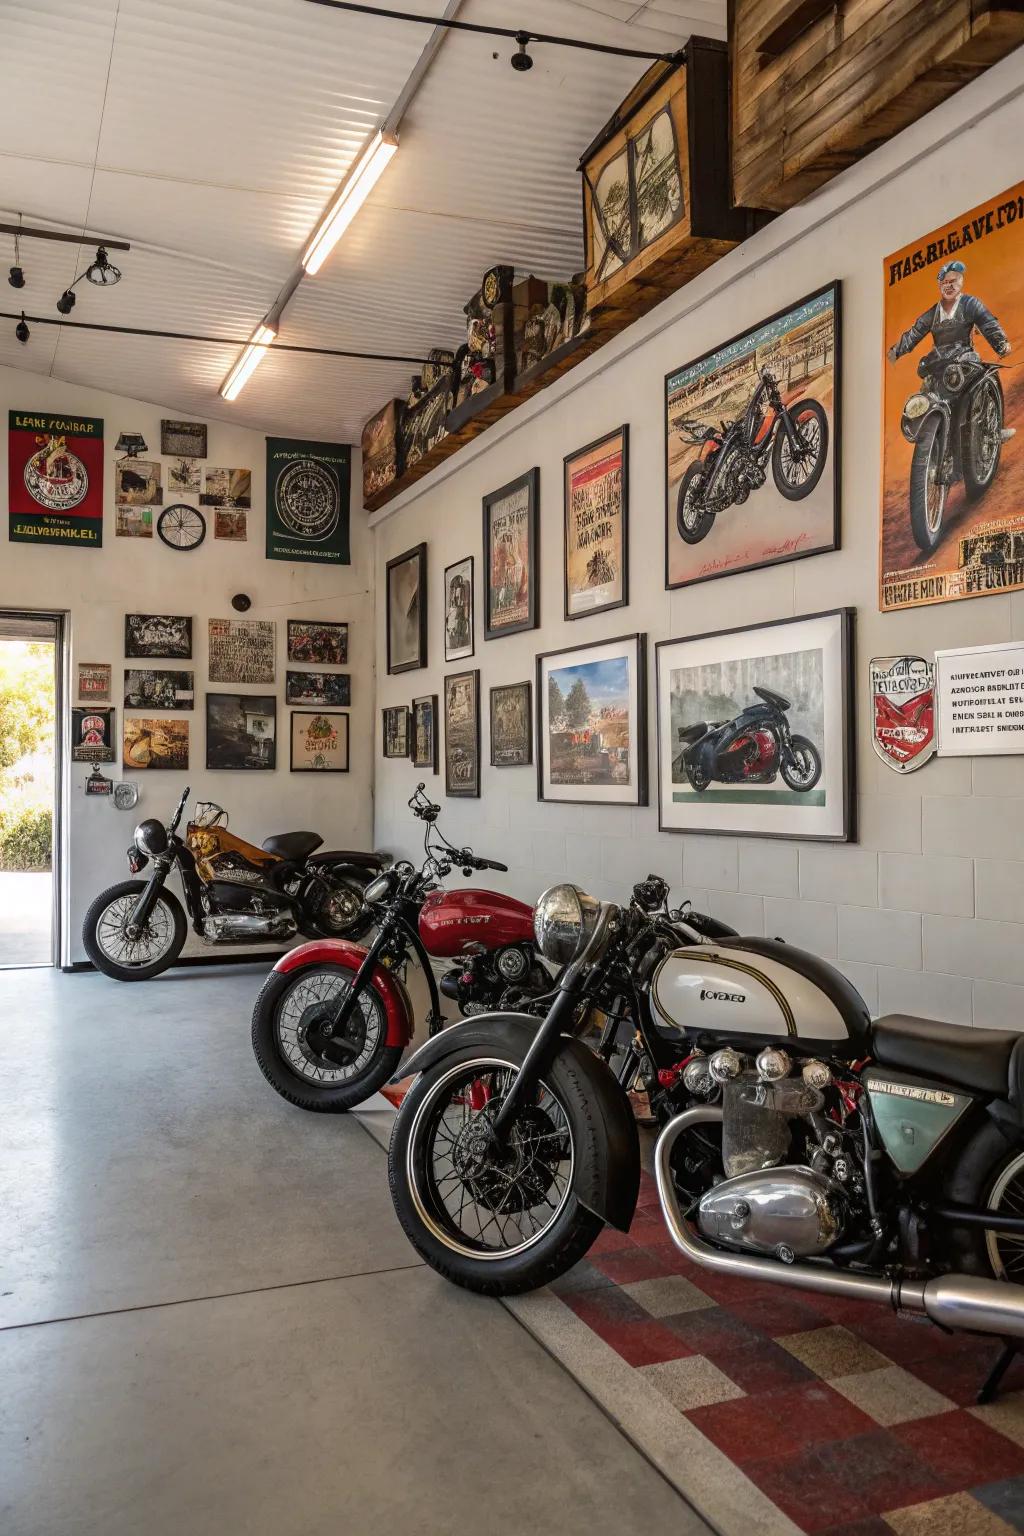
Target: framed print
511 596
395 726
458 610
137 483
511 726
596 510
592 723
154 744
308 501
462 733
148 688
424 732
755 730
979 699
54 479
242 650
406 584
241 730
133 522
325 688
94 680
164 636
752 433
184 477
92 735
183 439
319 741
227 488
314 642
231 523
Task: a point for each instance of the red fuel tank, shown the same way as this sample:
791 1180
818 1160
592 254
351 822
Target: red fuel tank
449 920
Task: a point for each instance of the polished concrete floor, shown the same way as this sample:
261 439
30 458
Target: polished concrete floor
211 1324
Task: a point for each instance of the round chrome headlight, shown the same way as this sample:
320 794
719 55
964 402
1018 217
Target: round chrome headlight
954 376
151 836
563 921
916 406
378 889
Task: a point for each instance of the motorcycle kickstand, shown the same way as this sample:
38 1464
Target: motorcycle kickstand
993 1381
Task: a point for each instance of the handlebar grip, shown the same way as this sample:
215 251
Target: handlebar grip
493 864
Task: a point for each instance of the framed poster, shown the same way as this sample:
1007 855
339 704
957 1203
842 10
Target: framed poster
314 642
148 688
424 732
137 483
462 733
406 585
511 596
231 523
167 636
94 680
319 741
184 477
595 489
154 744
241 730
458 610
227 487
242 650
511 726
308 501
752 433
979 696
592 723
324 688
952 514
395 728
755 730
183 439
55 479
92 735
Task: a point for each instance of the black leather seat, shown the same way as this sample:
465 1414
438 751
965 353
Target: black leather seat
292 845
972 1058
350 856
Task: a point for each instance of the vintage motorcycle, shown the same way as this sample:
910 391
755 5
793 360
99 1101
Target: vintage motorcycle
734 456
802 1144
753 748
955 422
235 893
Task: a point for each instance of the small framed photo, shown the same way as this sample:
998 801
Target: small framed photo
406 587
424 732
395 721
458 610
241 730
592 723
512 725
330 689
319 741
94 681
316 643
596 507
511 580
462 733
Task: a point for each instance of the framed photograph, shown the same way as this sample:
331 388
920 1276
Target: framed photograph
592 723
148 636
94 680
241 730
137 483
752 433
231 523
330 689
319 741
406 581
395 727
242 650
511 580
424 732
154 744
755 730
511 725
227 488
184 477
596 503
183 439
316 643
148 688
92 735
133 522
458 610
462 733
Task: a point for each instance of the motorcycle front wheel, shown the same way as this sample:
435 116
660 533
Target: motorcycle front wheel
984 439
499 1221
803 770
699 780
693 517
927 491
141 956
796 474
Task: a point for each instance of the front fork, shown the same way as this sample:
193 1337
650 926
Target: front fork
143 908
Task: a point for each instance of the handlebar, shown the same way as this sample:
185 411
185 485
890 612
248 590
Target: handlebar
469 860
175 819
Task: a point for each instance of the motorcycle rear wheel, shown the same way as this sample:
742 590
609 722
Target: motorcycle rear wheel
796 478
927 493
693 521
124 959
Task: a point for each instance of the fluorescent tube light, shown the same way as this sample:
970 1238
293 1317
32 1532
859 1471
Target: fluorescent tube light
251 356
352 194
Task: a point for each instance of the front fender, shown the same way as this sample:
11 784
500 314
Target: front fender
391 991
608 1180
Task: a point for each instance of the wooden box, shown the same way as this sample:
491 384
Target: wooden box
381 449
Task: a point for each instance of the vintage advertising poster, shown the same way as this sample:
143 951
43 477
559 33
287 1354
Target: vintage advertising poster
902 710
395 726
241 730
137 483
319 742
308 500
751 438
242 650
230 523
154 744
952 516
183 439
592 723
164 635
462 733
94 680
979 693
92 735
184 477
424 732
227 488
55 479
510 557
406 597
133 522
147 688
323 688
458 609
596 533
317 642
511 726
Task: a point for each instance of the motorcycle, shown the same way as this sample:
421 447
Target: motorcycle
955 423
733 459
753 748
235 893
802 1145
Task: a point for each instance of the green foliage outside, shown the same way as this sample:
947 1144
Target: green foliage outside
26 754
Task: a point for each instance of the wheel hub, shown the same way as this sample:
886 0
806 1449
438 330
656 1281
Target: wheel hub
316 1028
513 1178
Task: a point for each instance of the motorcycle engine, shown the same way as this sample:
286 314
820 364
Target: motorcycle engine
491 979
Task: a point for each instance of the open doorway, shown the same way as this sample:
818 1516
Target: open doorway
31 648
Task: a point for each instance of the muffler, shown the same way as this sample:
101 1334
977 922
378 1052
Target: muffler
965 1303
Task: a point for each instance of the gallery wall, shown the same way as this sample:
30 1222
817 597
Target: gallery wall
97 587
925 909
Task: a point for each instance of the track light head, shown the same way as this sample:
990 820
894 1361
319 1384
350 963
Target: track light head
21 330
17 278
66 302
102 271
522 60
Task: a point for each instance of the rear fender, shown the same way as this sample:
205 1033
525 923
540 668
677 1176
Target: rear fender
391 991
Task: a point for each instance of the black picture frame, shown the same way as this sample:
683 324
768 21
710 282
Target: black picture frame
225 752
430 761
335 688
394 711
301 714
418 555
296 626
526 759
639 641
460 654
179 649
531 481
458 792
621 432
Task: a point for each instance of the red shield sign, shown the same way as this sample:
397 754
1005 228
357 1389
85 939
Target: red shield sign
903 710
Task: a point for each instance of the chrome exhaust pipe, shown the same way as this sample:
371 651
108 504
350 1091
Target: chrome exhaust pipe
967 1303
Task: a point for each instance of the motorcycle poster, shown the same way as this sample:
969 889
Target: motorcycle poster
751 437
55 479
510 557
596 535
462 734
952 524
903 711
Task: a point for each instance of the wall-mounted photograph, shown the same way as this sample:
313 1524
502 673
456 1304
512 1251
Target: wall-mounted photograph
227 488
163 636
462 733
324 688
315 642
241 730
319 741
133 522
231 523
183 439
592 723
511 578
458 610
395 730
596 506
511 714
406 591
752 432
242 650
424 732
150 688
137 483
754 730
92 735
94 680
154 744
184 477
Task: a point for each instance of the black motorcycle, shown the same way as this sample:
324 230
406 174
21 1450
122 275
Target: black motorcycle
753 748
235 893
955 422
734 457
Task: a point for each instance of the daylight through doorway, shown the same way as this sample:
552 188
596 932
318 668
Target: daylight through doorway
29 657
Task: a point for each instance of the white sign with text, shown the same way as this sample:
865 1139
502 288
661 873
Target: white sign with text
979 696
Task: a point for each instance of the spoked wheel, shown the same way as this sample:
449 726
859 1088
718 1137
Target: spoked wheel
928 488
803 770
697 775
797 471
1005 1249
119 949
694 518
292 1027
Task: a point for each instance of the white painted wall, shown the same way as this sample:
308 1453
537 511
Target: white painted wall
926 912
97 587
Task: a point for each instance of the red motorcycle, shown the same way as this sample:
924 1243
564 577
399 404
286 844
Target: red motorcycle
333 1019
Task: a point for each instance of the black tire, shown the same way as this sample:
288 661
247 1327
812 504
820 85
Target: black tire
925 522
802 786
986 411
802 414
973 1180
330 1098
558 1247
695 531
699 780
110 967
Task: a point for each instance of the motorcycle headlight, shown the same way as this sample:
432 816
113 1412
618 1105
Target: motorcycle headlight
151 836
378 889
916 406
953 376
563 921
